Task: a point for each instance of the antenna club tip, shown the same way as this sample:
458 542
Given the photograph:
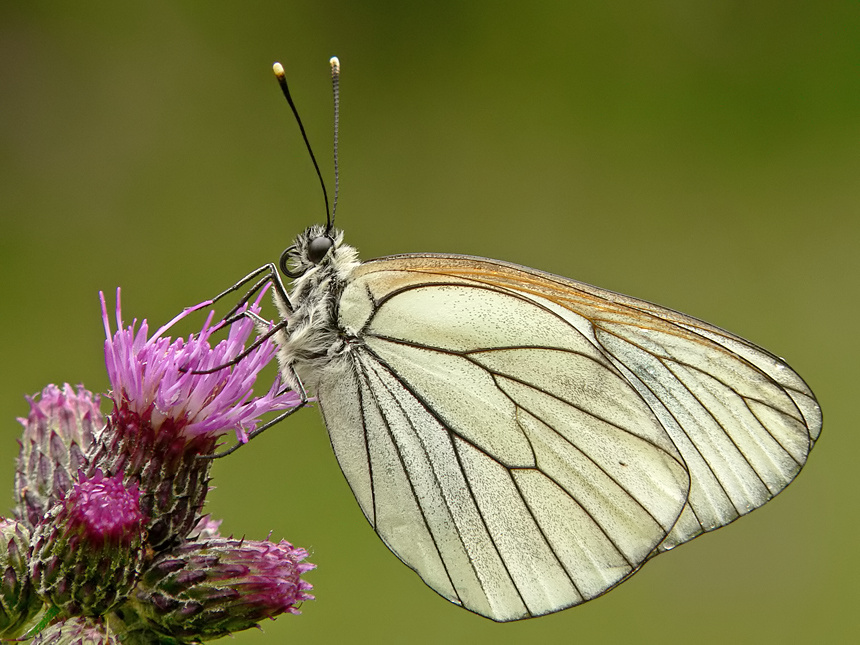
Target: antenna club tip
335 63
279 70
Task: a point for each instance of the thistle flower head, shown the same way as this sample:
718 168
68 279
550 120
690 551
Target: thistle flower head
89 549
159 378
58 431
104 511
203 590
111 546
166 414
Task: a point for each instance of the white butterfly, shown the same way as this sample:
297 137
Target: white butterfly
523 441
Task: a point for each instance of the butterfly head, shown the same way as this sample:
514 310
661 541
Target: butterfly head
316 248
312 248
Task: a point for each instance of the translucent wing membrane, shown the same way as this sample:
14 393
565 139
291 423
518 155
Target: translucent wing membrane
525 442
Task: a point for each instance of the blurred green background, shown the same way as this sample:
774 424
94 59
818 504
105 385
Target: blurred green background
702 155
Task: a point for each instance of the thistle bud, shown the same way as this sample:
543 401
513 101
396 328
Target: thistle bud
57 434
204 590
89 549
18 600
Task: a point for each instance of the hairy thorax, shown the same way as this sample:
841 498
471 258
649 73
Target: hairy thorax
313 342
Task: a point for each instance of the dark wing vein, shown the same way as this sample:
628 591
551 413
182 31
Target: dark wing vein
468 356
446 423
381 363
403 463
728 386
746 399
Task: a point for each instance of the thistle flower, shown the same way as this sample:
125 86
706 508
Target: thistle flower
119 551
57 434
18 600
89 549
203 590
166 414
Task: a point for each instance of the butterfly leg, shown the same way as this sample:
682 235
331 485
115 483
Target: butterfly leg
259 341
270 276
303 401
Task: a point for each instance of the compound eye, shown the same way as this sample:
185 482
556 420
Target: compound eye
318 247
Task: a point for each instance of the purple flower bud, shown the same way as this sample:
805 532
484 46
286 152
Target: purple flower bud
203 590
57 434
18 600
165 415
89 549
77 631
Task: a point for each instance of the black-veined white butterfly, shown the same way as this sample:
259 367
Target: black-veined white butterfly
523 441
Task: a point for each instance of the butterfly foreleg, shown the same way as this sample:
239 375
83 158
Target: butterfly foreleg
270 276
295 383
257 342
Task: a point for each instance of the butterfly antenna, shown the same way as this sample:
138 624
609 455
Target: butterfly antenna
335 86
282 81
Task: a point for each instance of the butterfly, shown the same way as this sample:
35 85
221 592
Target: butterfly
523 441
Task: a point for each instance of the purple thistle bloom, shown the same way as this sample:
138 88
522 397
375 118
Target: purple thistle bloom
119 550
57 434
105 509
89 549
203 590
156 376
166 416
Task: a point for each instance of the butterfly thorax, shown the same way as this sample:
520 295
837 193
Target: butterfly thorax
312 340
